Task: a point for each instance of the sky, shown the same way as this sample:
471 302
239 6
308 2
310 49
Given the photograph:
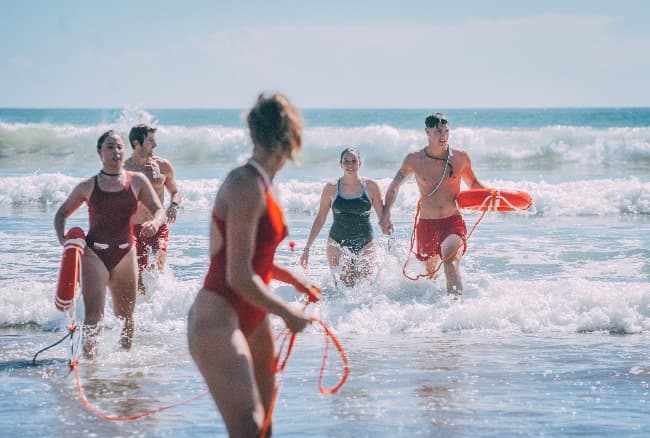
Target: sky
327 54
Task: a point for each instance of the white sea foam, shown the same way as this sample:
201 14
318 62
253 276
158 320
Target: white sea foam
578 198
394 305
48 146
541 292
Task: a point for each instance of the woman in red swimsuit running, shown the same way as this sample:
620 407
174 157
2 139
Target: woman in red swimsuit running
230 337
109 258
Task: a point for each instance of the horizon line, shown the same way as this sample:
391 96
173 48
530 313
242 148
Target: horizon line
378 108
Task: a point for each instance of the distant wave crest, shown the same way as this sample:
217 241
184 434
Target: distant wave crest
578 198
48 146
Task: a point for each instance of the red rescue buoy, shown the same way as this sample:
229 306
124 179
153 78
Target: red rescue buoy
494 200
70 272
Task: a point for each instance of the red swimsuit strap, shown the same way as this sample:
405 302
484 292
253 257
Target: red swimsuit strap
127 183
258 170
220 222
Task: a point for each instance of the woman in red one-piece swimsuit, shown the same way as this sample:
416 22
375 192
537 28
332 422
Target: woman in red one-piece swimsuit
109 258
229 334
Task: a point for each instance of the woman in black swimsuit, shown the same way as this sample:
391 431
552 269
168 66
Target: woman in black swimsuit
351 199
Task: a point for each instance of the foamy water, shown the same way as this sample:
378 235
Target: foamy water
550 337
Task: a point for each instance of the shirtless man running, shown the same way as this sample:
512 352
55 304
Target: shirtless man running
440 229
160 173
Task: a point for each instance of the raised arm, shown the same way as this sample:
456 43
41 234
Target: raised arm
400 177
78 196
326 198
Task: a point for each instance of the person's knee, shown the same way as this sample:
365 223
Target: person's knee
451 262
92 317
161 257
348 280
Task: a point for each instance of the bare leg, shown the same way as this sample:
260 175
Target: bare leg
90 333
123 286
452 252
262 352
431 264
148 256
94 281
142 289
367 260
161 257
334 255
222 354
348 275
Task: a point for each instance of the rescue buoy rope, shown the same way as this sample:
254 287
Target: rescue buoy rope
50 346
452 254
86 404
506 201
72 328
493 202
279 365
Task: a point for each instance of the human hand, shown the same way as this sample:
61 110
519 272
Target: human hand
386 224
296 322
171 213
308 288
148 229
314 295
154 170
304 258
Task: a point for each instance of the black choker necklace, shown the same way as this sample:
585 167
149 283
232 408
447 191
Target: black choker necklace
433 157
110 174
447 159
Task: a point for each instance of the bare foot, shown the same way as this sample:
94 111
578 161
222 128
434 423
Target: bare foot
454 293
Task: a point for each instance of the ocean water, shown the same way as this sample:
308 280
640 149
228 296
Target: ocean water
549 339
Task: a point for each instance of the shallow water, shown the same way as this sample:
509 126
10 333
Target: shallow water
447 384
549 339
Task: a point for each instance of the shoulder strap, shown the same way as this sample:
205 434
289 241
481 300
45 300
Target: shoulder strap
127 182
363 187
95 185
260 172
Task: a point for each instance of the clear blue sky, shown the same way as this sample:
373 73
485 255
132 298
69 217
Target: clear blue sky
325 54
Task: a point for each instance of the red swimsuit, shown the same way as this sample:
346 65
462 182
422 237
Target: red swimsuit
109 218
271 229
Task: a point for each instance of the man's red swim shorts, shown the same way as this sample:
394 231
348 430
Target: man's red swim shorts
430 233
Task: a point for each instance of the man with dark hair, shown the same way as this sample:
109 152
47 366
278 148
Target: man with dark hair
440 229
161 174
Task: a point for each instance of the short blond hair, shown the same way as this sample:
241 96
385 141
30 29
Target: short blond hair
274 121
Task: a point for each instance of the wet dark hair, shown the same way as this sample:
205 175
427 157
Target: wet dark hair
435 120
100 140
139 132
351 150
274 121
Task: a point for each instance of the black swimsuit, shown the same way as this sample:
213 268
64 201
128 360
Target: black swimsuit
351 228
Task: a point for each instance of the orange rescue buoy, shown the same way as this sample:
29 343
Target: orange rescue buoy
494 200
70 272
